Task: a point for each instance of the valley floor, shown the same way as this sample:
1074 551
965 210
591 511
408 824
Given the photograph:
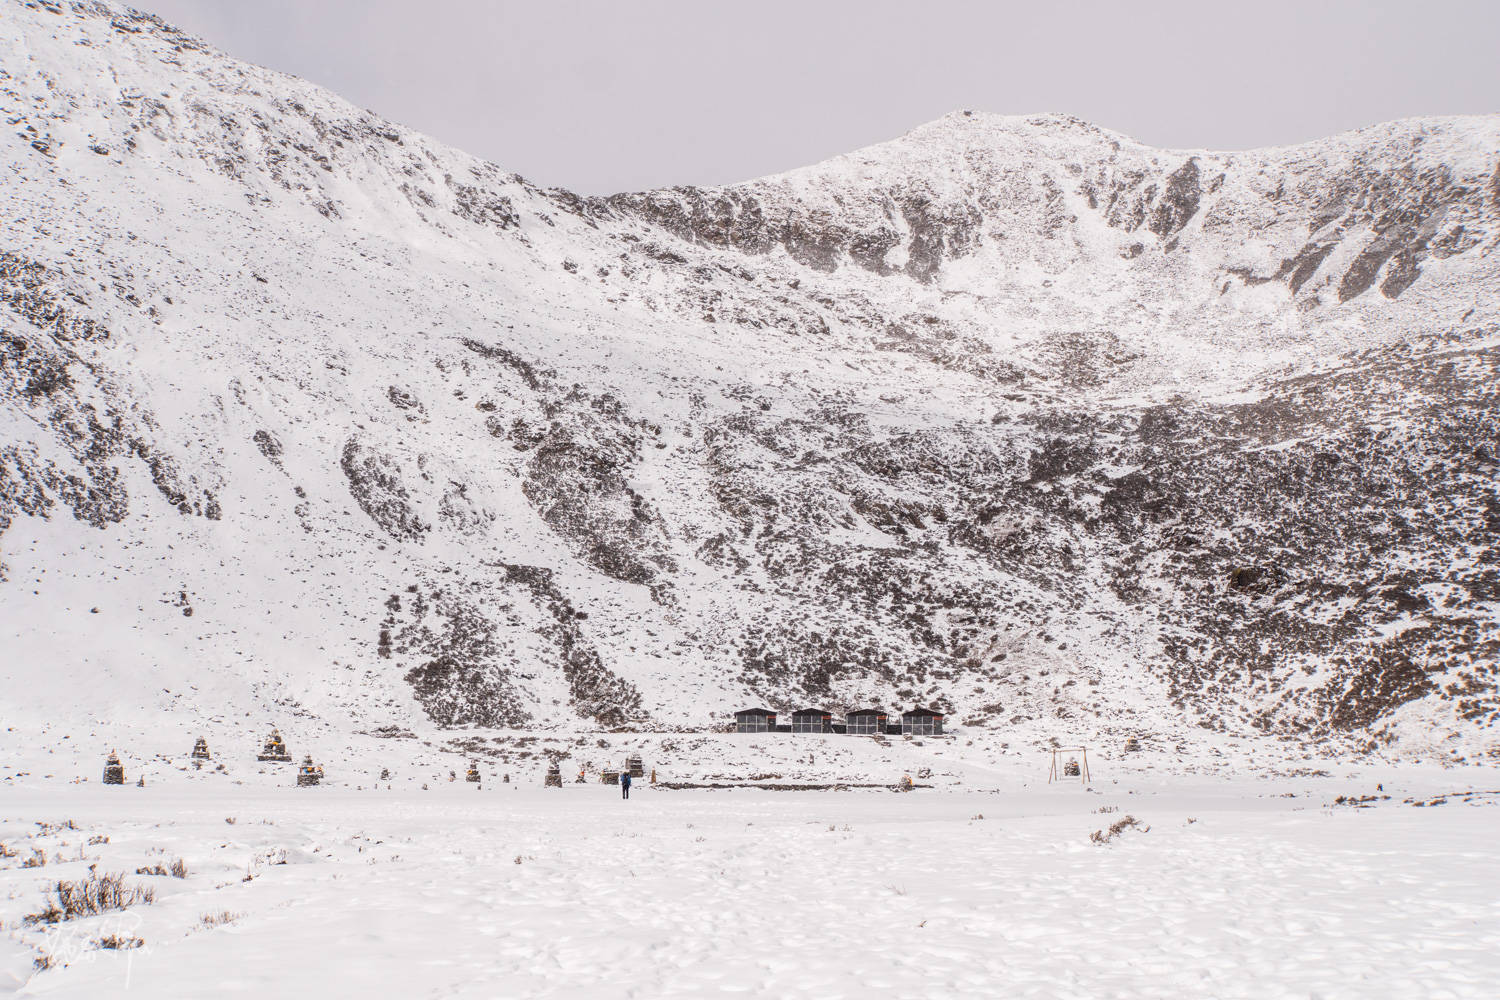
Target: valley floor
1245 888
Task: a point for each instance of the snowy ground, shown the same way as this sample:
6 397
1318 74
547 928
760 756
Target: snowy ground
1240 888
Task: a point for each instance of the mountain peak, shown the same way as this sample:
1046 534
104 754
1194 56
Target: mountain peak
1012 415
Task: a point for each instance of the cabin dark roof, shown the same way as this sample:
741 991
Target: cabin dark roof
860 712
753 711
811 711
921 712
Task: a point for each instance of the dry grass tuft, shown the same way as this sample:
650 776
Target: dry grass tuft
88 896
119 942
177 869
45 828
1117 828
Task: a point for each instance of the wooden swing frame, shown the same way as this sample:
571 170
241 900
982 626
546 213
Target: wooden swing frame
1056 773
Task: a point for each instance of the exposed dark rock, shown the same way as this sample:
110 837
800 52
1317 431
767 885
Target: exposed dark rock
403 399
375 483
269 446
1302 267
597 692
462 678
1179 201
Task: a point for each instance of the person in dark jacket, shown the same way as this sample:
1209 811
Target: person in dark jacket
625 784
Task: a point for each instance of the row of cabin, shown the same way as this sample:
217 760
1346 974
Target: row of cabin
863 722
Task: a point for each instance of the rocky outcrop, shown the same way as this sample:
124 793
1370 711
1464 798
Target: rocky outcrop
376 483
749 221
597 693
461 677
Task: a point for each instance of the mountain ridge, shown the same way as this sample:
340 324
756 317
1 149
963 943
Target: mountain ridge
472 452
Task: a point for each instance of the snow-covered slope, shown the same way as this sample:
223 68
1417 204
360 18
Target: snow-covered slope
306 414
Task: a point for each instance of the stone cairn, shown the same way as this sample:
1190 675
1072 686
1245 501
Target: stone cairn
114 771
1132 745
472 775
275 749
636 766
308 774
1071 768
200 749
554 775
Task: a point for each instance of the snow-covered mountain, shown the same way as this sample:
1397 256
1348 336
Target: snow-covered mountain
304 412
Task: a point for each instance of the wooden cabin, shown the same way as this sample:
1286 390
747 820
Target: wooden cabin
812 720
921 722
755 720
865 722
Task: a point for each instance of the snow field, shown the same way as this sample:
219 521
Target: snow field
516 891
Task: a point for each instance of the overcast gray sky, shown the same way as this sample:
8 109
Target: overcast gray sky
629 94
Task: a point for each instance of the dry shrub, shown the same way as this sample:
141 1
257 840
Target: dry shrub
1119 827
7 852
38 859
218 919
46 829
177 869
119 942
89 896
